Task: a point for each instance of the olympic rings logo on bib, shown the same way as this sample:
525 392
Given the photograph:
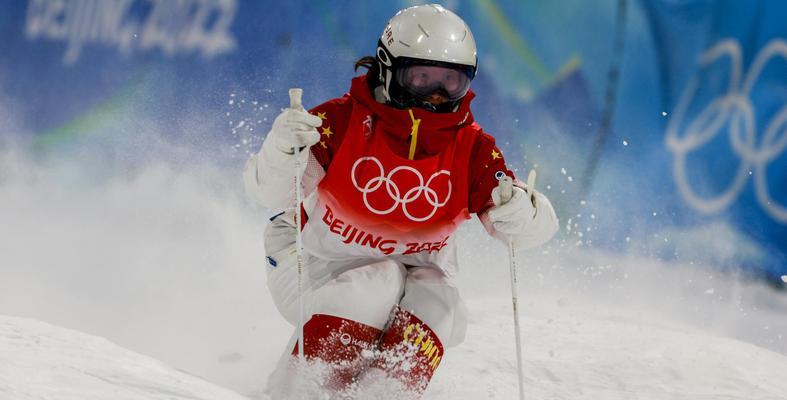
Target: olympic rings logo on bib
422 193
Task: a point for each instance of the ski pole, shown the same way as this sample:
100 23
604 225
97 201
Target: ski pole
507 194
296 95
517 334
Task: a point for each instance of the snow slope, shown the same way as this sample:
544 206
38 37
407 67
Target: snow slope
40 361
576 357
166 260
566 358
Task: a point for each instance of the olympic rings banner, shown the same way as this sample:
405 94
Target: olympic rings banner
657 126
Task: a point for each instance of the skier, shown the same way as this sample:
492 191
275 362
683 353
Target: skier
391 170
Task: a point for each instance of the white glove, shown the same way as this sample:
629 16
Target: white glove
268 176
523 216
513 210
292 129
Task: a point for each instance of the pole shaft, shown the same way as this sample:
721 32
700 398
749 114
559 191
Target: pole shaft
296 95
517 330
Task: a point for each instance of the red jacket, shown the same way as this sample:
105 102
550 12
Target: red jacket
433 134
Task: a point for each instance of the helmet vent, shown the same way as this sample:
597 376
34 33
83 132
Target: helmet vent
404 44
464 36
423 30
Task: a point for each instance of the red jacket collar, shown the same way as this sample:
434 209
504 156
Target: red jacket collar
430 122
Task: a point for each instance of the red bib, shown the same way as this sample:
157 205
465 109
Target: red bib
373 202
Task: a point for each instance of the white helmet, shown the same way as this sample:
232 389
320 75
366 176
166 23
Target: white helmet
425 52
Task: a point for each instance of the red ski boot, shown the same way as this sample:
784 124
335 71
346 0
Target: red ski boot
409 351
339 343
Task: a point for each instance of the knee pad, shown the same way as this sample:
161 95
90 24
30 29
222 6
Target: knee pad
430 295
365 294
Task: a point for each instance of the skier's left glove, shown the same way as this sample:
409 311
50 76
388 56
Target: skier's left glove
524 216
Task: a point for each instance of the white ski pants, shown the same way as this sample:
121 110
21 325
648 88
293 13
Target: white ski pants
362 290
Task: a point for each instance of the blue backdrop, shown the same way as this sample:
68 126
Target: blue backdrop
657 126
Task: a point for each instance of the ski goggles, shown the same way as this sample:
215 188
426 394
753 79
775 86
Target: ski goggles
424 80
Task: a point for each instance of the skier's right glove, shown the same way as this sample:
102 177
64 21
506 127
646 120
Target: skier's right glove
268 175
292 129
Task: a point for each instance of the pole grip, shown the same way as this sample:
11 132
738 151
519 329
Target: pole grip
506 186
296 99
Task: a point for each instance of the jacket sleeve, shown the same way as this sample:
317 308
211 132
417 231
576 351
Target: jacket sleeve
268 175
486 168
335 115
